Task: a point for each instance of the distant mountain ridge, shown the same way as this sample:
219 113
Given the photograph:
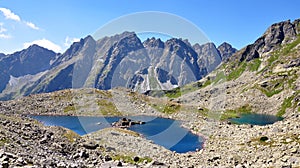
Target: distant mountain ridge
120 60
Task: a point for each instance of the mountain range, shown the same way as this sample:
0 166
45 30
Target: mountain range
122 60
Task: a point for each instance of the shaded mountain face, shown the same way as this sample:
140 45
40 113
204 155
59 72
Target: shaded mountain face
226 50
275 35
30 61
117 61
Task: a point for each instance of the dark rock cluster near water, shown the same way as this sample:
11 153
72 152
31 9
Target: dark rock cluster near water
126 123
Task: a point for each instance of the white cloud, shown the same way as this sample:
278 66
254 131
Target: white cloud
5 36
69 41
10 15
2 29
31 25
44 43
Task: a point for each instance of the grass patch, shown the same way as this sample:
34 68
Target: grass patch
270 93
273 57
69 109
108 108
104 93
219 76
237 72
236 112
287 49
273 87
71 135
3 141
265 141
254 64
177 92
287 103
168 108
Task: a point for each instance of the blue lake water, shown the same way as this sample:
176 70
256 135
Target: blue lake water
162 131
256 119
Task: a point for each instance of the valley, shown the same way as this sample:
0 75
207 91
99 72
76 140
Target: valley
261 78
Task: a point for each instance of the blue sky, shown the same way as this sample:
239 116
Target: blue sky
57 23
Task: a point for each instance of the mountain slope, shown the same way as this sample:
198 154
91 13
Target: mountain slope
262 77
30 61
121 60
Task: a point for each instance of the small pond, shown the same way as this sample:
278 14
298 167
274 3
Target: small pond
162 131
256 119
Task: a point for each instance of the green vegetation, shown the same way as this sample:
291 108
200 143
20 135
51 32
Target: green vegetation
273 57
168 108
287 103
237 72
108 108
287 49
219 76
236 112
254 64
70 108
130 159
71 136
274 87
265 141
104 93
177 92
3 141
204 111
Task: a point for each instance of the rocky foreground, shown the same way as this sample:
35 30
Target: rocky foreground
26 142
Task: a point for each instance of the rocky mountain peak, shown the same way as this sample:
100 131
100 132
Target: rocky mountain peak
226 50
208 55
153 43
277 34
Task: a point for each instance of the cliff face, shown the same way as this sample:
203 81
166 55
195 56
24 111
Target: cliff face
276 35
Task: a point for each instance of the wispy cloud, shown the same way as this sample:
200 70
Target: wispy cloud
32 25
5 36
8 14
2 31
44 43
69 41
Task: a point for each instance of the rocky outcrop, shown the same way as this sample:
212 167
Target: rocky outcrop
277 34
126 123
226 50
209 56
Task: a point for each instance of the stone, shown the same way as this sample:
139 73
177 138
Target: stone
43 140
90 145
156 163
27 124
136 159
294 150
119 164
5 164
107 158
285 158
288 140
